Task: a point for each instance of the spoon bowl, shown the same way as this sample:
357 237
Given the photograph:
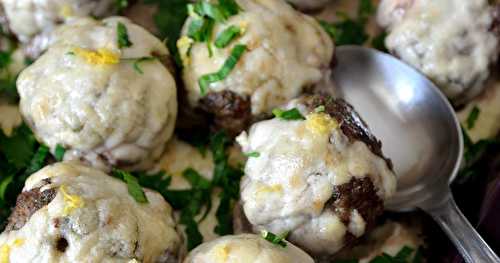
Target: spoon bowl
419 132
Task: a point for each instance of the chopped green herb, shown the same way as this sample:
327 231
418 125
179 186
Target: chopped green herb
227 178
378 42
5 59
404 254
228 66
122 36
319 109
252 154
38 160
289 115
275 239
169 20
200 29
472 118
121 5
350 31
70 53
20 156
19 147
59 153
138 61
226 36
384 258
134 188
229 7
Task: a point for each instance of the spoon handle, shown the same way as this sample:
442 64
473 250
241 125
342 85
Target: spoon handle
466 239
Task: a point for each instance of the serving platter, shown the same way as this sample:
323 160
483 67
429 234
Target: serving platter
475 189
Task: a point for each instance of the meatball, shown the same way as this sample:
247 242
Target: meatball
453 42
68 212
286 52
106 105
322 178
246 248
28 18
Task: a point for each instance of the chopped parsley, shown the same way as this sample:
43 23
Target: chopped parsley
20 156
289 115
226 36
134 188
59 153
319 109
226 177
228 66
350 31
275 239
121 5
472 118
137 62
123 40
204 15
378 42
253 154
169 20
7 80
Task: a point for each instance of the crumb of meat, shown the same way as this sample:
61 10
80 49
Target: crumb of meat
360 195
27 204
231 112
350 122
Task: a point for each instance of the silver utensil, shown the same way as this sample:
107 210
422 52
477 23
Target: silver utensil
419 132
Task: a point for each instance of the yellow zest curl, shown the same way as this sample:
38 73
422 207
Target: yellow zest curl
71 202
320 123
5 250
102 56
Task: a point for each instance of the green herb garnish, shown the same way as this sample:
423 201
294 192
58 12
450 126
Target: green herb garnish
289 115
228 66
252 154
134 188
226 36
20 156
121 5
378 42
350 31
319 109
122 36
137 62
472 118
59 153
275 239
169 20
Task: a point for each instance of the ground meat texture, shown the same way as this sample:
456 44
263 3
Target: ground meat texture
286 52
323 179
27 204
246 248
453 42
84 215
231 111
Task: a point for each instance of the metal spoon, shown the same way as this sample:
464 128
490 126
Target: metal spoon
420 133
